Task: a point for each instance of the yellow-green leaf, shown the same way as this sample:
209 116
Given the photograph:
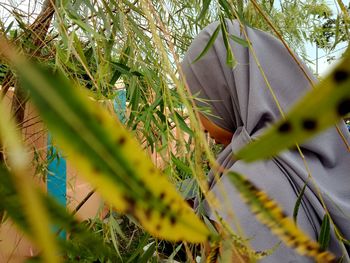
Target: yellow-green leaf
108 156
316 111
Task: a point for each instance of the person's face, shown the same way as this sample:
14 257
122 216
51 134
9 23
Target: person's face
219 134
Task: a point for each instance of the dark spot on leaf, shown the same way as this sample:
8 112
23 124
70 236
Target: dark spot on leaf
162 214
162 195
283 214
310 247
158 227
344 107
152 170
96 170
292 241
341 76
285 127
172 220
98 118
131 204
309 124
148 213
121 140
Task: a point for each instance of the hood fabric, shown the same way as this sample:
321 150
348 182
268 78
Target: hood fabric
241 103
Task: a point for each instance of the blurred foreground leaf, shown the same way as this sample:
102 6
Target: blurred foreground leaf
107 155
322 107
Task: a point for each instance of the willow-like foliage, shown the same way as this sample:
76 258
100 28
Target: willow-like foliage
90 50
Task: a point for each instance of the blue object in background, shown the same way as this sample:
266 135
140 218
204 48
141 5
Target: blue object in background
57 177
119 104
57 167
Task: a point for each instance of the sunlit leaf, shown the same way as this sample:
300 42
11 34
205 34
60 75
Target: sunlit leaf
108 156
269 213
320 108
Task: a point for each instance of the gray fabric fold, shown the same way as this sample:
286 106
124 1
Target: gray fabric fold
243 105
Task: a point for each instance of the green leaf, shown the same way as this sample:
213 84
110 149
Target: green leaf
9 28
79 49
148 253
206 4
239 40
181 165
325 234
139 250
337 31
297 204
209 44
271 214
230 59
320 108
183 124
119 70
226 7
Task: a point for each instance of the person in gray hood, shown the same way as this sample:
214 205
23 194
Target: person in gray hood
242 108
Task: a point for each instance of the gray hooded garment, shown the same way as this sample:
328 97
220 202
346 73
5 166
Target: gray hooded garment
243 105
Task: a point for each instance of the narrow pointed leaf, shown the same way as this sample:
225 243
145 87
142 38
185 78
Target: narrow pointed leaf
239 40
325 234
209 44
271 214
183 125
230 58
297 204
319 109
206 4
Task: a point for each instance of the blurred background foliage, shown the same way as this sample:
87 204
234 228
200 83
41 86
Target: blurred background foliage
105 46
